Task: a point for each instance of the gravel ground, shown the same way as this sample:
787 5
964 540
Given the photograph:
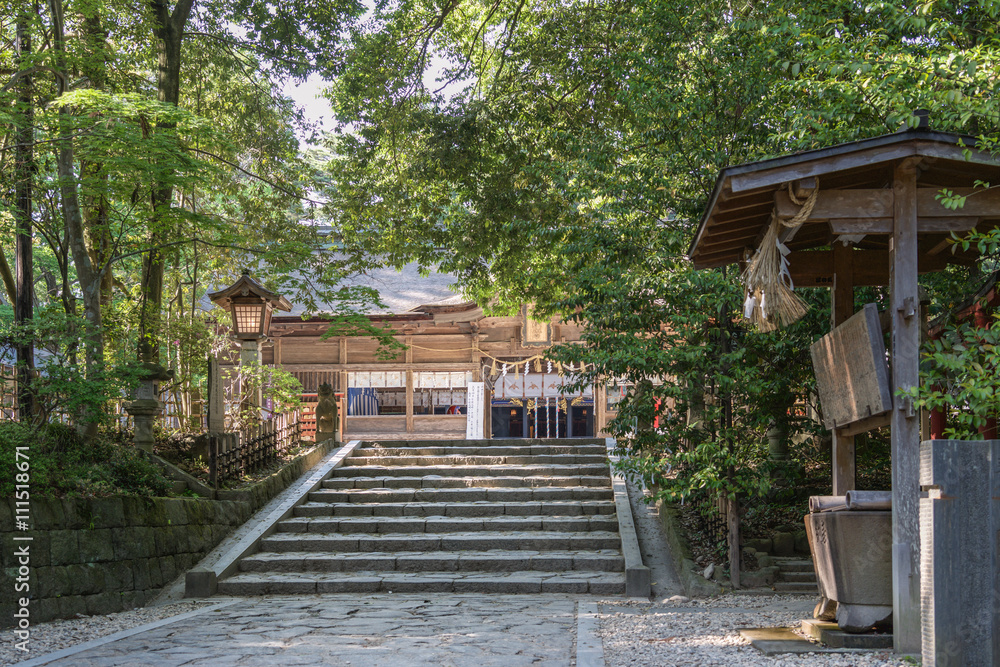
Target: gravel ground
56 635
705 632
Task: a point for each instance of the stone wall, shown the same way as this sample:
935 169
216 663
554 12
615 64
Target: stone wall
101 555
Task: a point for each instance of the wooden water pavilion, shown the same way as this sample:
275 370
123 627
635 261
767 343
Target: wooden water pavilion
877 219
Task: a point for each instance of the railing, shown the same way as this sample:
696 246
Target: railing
233 455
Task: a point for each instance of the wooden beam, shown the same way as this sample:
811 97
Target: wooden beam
927 225
795 170
865 425
839 204
842 307
905 313
866 204
379 366
814 268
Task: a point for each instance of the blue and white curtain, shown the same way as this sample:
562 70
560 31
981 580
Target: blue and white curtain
362 401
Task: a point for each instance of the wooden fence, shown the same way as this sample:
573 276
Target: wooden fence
8 392
232 455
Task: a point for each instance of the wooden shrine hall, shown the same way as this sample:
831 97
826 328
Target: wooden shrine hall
424 392
877 219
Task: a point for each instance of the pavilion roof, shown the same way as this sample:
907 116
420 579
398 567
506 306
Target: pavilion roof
855 197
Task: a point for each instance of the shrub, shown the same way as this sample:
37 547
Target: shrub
62 464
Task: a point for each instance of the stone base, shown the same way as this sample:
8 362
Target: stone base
831 635
861 618
826 610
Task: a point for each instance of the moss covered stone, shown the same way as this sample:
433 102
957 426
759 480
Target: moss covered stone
64 547
107 512
96 545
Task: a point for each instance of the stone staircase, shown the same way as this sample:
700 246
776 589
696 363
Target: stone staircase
499 516
796 575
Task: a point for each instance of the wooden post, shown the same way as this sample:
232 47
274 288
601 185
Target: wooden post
487 412
842 307
409 401
733 522
905 313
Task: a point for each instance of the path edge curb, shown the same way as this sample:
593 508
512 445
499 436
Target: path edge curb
637 575
203 581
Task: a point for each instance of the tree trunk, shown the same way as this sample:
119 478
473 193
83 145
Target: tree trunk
95 206
87 274
24 167
169 33
9 284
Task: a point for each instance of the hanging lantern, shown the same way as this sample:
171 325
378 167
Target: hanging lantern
250 306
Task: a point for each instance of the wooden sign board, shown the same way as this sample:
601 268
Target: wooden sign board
852 374
534 333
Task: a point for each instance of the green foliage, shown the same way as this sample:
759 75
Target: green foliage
64 388
960 375
566 168
62 464
858 70
252 379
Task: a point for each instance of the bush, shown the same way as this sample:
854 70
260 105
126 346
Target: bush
62 464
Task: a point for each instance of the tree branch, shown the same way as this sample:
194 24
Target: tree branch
260 178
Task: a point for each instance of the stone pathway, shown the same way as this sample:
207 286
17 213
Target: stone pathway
376 630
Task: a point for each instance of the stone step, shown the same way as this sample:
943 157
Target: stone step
537 450
795 587
252 583
570 443
606 560
798 577
472 494
795 564
537 540
599 470
448 524
438 482
368 459
481 508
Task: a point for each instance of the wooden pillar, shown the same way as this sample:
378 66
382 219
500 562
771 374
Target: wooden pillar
600 409
983 321
487 412
905 313
409 401
408 341
842 307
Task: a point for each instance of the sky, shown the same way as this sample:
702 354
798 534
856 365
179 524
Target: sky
317 108
308 96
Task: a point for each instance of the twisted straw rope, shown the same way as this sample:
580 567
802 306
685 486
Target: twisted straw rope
764 277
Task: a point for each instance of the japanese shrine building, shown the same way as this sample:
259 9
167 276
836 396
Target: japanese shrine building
423 393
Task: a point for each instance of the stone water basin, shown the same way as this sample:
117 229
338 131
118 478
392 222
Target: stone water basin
852 553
